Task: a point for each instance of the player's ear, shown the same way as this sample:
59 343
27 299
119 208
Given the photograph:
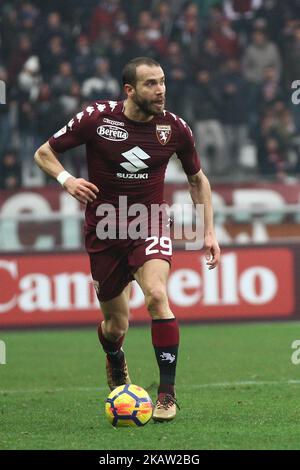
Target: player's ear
129 90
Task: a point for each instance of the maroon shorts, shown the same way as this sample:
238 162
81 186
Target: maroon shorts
113 262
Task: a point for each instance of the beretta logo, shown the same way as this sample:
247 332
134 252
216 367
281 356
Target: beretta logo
112 132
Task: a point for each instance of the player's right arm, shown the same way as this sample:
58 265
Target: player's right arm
47 160
78 131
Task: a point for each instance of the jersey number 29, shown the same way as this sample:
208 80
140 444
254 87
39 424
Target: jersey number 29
165 245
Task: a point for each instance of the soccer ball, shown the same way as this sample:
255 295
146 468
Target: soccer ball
128 405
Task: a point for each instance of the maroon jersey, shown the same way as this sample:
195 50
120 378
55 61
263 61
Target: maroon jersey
125 157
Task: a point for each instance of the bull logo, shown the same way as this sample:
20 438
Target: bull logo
167 357
163 134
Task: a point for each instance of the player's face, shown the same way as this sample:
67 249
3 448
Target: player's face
150 90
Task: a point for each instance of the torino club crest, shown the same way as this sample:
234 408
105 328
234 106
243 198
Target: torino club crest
163 133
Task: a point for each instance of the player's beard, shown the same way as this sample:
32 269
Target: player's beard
147 106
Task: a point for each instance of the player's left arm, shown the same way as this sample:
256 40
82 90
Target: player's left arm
201 194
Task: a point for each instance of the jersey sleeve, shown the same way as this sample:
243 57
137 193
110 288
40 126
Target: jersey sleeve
78 131
186 151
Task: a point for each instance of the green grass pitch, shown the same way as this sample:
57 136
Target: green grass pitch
236 386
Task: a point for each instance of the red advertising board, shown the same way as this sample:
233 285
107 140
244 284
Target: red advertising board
54 289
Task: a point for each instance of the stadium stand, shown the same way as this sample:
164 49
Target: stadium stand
229 67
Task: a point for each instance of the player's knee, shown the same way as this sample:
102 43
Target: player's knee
156 299
114 330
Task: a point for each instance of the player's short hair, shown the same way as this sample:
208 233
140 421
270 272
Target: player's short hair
129 71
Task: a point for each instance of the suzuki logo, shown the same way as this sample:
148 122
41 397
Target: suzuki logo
135 157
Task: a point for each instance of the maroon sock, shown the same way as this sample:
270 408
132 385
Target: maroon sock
165 340
112 349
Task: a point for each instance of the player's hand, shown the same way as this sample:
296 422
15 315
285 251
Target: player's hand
82 190
212 251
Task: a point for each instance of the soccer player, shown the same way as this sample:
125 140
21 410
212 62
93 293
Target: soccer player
128 146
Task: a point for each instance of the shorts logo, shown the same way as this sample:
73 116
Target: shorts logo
163 133
115 133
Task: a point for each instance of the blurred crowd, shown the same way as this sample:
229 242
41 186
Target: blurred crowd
229 67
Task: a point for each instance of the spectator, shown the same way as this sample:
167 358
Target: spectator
274 13
238 10
82 62
10 175
51 58
242 12
284 123
234 110
70 101
190 30
54 28
9 32
210 58
62 81
177 78
270 90
152 32
121 24
22 51
48 113
141 45
30 79
103 17
277 153
165 16
291 57
261 53
154 36
101 84
102 44
226 39
273 161
144 20
27 129
205 105
119 55
28 19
